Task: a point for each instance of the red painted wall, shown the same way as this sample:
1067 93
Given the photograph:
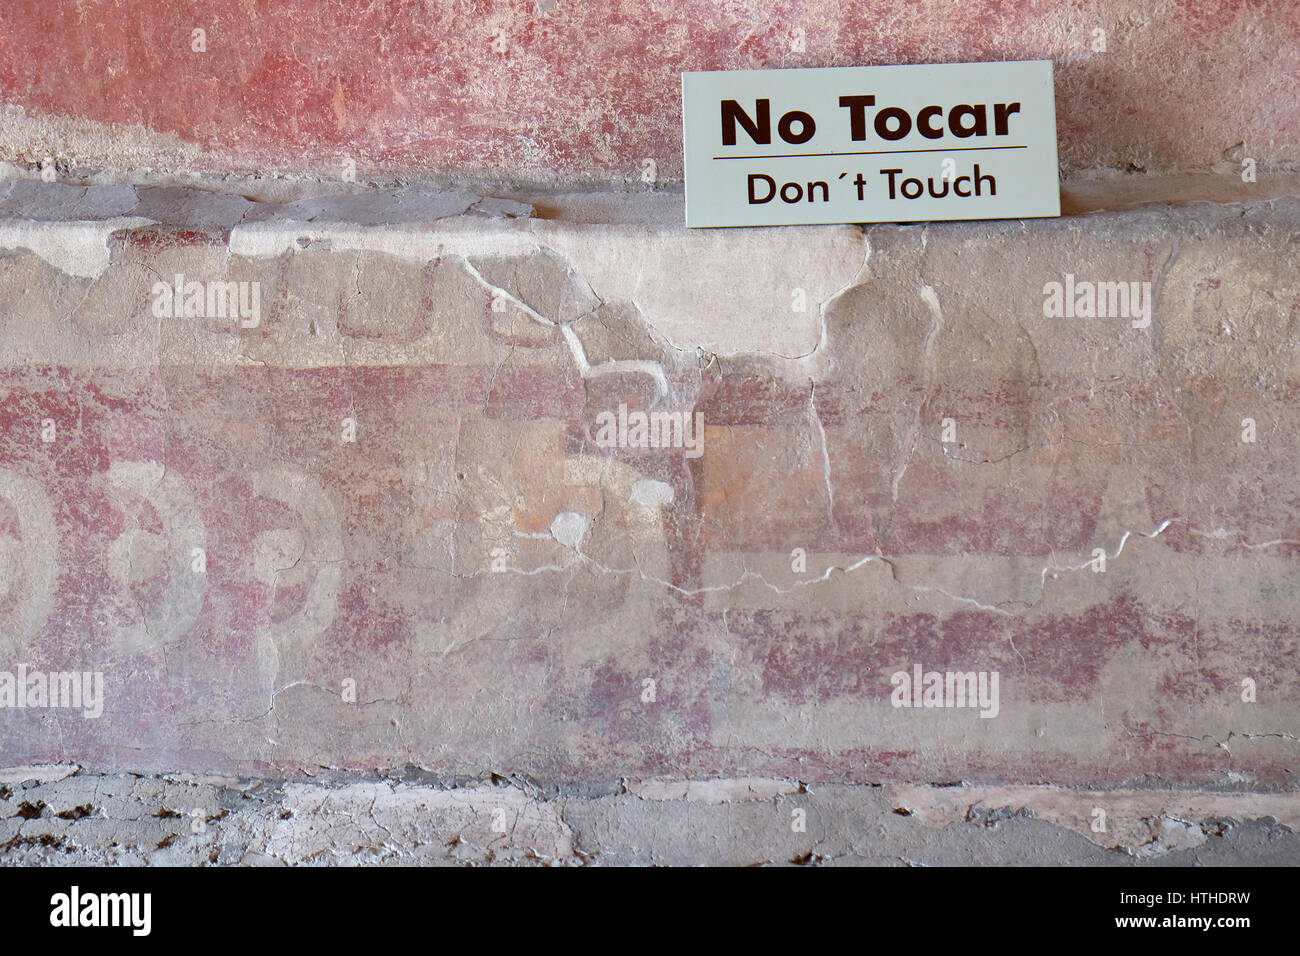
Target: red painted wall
574 90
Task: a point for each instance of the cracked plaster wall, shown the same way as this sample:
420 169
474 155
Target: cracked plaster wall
500 588
635 655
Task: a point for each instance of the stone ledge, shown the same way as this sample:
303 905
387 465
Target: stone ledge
223 202
62 816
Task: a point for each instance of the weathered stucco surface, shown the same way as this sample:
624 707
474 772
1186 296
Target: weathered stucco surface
355 576
415 549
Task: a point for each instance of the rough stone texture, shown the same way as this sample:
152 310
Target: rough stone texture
564 91
57 816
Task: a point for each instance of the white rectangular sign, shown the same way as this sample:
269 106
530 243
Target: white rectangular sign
870 144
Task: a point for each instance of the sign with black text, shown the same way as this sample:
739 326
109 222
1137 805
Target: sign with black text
870 144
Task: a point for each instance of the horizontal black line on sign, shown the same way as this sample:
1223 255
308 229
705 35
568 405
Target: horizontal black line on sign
872 152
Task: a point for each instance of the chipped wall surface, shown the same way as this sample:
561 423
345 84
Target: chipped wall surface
561 90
